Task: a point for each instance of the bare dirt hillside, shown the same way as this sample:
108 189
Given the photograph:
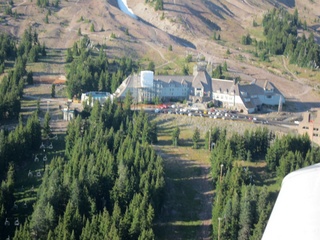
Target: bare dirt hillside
186 25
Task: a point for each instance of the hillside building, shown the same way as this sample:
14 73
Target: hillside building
311 125
200 87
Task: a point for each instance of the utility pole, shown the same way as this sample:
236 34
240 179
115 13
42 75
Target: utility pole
209 140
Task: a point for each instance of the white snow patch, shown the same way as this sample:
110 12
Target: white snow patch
124 8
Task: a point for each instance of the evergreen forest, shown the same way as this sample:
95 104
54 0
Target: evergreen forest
87 72
108 184
286 35
107 181
11 86
243 200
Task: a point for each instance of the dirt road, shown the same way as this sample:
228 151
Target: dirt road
189 191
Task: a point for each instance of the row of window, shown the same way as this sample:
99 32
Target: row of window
314 129
159 85
224 97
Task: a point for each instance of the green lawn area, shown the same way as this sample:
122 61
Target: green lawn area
184 169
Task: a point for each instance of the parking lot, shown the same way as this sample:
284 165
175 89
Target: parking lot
209 113
198 110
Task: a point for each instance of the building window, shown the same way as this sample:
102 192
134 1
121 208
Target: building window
315 135
316 129
304 127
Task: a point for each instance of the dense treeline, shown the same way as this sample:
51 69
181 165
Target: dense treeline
241 209
281 30
7 50
11 85
88 73
15 147
158 4
251 146
11 88
290 153
282 38
110 184
18 145
46 3
29 47
279 27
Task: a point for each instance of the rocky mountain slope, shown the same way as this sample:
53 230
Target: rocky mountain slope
183 23
186 26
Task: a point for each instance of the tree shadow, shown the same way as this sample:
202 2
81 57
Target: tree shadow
176 231
55 62
288 3
164 142
316 28
297 106
36 74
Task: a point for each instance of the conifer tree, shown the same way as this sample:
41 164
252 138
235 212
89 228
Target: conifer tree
46 124
196 138
92 28
53 90
175 136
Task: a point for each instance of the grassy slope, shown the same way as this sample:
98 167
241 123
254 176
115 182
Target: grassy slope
189 188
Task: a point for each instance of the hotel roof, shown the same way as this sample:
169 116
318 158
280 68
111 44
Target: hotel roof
225 86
